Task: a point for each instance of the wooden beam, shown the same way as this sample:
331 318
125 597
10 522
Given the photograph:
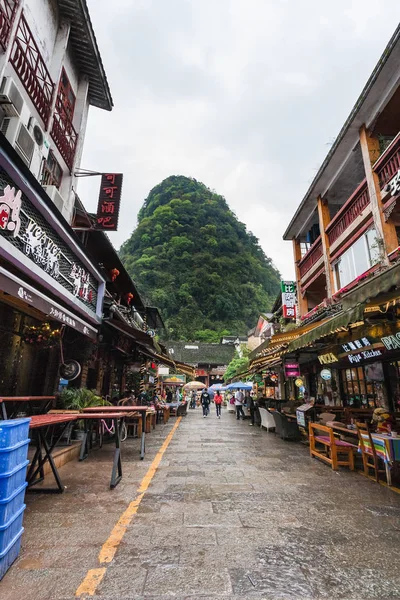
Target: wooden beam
301 302
385 230
324 220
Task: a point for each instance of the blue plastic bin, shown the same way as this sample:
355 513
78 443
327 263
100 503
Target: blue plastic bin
10 554
12 480
13 431
11 505
13 456
10 530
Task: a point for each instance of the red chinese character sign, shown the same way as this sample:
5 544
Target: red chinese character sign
109 201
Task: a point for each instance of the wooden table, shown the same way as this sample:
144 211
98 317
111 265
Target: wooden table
117 418
31 405
121 409
39 426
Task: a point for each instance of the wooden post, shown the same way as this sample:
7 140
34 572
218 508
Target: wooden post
324 220
385 230
301 302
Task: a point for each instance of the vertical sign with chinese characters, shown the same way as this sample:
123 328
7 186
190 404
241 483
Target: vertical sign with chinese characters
109 200
288 289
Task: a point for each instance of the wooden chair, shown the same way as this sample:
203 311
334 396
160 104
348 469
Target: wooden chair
369 456
332 447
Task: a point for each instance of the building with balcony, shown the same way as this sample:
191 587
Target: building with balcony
346 228
50 73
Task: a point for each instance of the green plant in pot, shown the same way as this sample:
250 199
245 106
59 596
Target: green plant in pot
78 399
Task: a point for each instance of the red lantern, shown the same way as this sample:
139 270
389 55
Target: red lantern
129 298
114 274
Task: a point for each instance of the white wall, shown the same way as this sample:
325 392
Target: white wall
51 36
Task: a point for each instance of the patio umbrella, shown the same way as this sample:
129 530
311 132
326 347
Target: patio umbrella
240 385
194 385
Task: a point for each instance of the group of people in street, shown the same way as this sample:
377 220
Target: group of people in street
240 401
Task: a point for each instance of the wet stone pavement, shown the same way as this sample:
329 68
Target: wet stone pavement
232 512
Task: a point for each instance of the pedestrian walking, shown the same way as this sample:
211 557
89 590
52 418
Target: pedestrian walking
239 399
218 403
205 402
193 400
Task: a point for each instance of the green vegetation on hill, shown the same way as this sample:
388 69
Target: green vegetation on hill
192 258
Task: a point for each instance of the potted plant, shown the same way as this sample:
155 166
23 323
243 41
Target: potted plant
78 399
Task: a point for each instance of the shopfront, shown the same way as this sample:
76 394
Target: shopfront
49 290
365 366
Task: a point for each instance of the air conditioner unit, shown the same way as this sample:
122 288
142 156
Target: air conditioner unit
11 100
55 195
37 132
19 137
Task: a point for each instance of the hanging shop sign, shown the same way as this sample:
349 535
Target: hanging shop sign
327 359
12 285
288 289
326 374
34 243
109 201
373 344
292 370
178 378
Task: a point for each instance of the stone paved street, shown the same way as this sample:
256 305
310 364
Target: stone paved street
231 513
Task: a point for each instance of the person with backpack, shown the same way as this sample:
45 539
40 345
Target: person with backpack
218 403
205 402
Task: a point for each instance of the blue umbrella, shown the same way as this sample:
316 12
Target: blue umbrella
240 385
215 387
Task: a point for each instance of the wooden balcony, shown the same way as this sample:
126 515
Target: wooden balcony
32 71
64 134
349 212
7 13
387 165
311 257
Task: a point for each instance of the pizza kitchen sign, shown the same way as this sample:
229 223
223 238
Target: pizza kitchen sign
25 228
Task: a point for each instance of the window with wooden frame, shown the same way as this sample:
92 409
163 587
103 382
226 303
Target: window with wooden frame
52 171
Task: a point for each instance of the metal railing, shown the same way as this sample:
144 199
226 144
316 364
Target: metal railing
32 71
7 13
387 165
64 134
349 212
311 257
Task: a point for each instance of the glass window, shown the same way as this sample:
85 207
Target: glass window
373 247
360 257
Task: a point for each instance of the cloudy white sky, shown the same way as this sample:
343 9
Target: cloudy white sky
244 95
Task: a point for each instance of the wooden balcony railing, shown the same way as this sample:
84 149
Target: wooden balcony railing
64 134
32 71
8 9
350 210
311 257
388 164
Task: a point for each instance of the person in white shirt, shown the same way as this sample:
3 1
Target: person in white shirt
239 399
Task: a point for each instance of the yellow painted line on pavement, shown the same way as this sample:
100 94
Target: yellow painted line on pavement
94 576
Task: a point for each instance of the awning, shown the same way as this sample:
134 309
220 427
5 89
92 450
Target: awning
149 346
16 287
380 284
336 324
281 340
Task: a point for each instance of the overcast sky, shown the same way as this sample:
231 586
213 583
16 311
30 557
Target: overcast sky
243 95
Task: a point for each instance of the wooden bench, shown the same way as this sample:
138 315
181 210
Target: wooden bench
332 447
